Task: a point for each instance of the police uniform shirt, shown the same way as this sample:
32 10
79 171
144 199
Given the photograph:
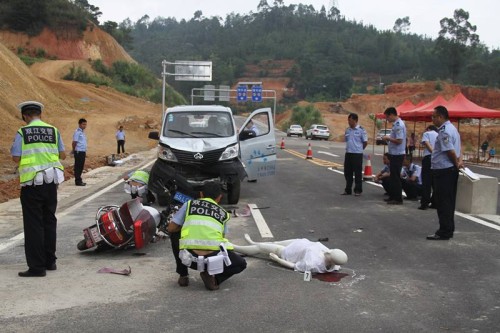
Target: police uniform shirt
429 136
49 175
385 169
120 135
447 139
412 170
354 138
81 140
398 132
179 217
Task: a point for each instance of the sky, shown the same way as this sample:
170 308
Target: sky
424 14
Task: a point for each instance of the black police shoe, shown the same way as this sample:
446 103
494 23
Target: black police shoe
31 273
437 237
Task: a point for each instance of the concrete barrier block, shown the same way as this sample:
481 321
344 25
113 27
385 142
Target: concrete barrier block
477 197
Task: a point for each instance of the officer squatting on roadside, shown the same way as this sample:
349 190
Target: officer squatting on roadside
197 233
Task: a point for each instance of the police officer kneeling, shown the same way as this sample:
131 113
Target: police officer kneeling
203 246
38 147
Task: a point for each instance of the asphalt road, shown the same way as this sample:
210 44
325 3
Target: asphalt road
395 280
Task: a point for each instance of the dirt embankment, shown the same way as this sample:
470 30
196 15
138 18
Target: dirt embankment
65 103
93 44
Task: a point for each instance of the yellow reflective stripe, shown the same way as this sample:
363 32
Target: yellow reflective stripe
27 160
207 223
202 242
41 150
38 168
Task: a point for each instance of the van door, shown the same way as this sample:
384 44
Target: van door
258 144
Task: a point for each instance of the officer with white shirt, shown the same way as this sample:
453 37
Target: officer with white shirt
411 179
120 140
445 161
38 148
428 141
397 148
79 150
356 141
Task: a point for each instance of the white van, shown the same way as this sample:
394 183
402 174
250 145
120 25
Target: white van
199 144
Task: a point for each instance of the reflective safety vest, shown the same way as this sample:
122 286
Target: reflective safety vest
39 149
140 176
203 227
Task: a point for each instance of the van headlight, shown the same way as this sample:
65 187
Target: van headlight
230 153
166 154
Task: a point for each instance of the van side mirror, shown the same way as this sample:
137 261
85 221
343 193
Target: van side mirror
155 135
247 134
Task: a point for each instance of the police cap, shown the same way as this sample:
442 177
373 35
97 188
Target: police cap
30 105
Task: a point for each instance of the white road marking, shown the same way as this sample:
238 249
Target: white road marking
475 219
11 242
465 216
327 153
264 230
337 171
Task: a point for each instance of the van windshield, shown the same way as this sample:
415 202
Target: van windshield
198 124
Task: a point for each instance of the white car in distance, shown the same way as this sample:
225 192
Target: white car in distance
294 130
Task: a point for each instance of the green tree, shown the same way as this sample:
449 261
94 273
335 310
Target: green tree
455 36
402 25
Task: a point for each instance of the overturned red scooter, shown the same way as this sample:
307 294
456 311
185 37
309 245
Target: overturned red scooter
128 225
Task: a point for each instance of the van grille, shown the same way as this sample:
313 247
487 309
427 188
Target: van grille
209 157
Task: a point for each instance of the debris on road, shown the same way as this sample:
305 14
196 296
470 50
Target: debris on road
115 271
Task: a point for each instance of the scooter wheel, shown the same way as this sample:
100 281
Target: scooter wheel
82 245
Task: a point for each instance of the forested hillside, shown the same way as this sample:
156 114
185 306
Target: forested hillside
331 54
330 57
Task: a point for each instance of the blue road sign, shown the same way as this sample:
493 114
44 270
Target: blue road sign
242 93
257 93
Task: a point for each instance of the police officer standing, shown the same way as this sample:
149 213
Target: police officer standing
397 146
445 161
356 141
79 146
120 140
38 147
428 140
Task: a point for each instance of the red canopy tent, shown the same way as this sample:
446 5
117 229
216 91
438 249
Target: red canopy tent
459 107
405 106
419 104
424 112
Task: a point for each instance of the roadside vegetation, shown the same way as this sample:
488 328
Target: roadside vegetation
128 78
304 116
38 55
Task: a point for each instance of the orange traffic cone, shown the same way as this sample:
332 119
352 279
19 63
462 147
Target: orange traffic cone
368 169
282 143
309 155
